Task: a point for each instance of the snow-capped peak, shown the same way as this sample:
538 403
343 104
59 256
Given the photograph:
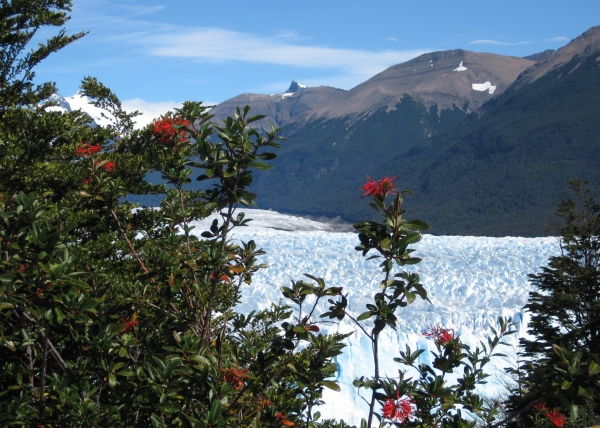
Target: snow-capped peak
80 102
460 67
294 87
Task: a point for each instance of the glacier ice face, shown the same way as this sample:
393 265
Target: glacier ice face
471 281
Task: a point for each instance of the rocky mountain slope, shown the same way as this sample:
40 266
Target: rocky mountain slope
584 46
499 170
447 79
279 108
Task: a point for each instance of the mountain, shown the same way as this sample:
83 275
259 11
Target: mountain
584 46
446 79
540 55
80 102
496 170
332 147
503 170
279 108
487 142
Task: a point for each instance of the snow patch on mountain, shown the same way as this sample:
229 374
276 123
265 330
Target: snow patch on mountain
487 86
80 102
295 87
149 110
471 281
460 67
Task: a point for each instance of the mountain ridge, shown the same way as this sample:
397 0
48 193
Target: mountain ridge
495 171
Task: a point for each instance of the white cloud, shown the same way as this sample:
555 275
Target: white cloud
392 39
138 38
559 39
150 110
495 42
216 44
142 10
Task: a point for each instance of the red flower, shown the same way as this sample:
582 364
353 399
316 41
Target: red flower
109 166
87 149
282 420
235 377
164 131
379 189
440 335
398 410
541 406
557 418
128 325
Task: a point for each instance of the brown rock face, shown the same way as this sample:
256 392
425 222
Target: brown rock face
442 78
585 45
280 108
450 78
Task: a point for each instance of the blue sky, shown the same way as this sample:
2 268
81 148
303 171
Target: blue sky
155 54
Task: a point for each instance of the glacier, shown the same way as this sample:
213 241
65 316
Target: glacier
471 281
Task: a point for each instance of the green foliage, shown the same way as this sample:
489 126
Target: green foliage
562 360
119 315
124 316
429 400
20 20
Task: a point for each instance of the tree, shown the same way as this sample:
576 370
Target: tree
19 21
562 358
117 315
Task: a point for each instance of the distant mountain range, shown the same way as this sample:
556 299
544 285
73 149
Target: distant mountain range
451 79
486 141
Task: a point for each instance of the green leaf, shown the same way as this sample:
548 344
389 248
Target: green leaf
385 244
8 278
215 412
566 384
594 368
156 422
112 380
330 384
364 316
59 315
260 165
201 359
413 237
6 305
418 225
586 392
89 305
255 118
